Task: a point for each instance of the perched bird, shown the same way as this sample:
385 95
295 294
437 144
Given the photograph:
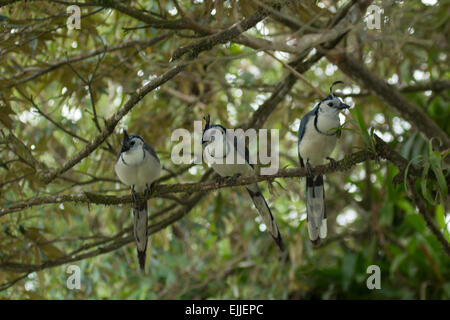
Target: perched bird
138 166
223 145
317 136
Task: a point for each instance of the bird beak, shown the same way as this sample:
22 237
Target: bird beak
343 106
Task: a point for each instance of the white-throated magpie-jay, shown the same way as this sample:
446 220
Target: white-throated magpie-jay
224 146
317 136
138 166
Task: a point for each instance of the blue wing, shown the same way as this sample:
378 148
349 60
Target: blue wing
305 119
151 150
247 153
301 131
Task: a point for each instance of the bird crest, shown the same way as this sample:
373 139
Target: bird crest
332 96
207 120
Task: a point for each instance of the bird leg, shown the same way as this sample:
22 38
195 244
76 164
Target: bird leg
134 196
232 179
308 169
148 189
333 163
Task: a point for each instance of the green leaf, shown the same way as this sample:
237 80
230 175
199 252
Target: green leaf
397 262
405 175
405 205
387 215
415 221
348 265
357 115
436 166
440 216
423 184
235 49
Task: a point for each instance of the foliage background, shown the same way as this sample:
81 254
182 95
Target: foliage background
219 250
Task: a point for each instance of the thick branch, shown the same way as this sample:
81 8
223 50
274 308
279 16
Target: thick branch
224 36
342 24
119 6
434 85
162 190
411 112
6 2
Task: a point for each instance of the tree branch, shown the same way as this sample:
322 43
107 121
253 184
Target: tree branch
427 216
353 12
189 188
120 240
110 123
224 36
15 79
382 150
411 112
386 152
22 151
433 85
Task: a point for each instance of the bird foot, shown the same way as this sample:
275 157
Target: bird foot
220 179
333 163
232 179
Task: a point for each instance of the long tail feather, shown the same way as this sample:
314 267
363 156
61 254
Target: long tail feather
266 214
315 209
140 231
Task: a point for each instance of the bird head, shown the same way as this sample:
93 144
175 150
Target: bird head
332 104
130 142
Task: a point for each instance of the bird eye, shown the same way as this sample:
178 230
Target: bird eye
132 143
330 104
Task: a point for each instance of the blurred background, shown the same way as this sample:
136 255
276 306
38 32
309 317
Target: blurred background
58 85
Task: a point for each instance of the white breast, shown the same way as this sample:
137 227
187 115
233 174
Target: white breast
328 123
138 170
133 158
233 163
316 146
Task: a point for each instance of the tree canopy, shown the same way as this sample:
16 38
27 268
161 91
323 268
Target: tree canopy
67 92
